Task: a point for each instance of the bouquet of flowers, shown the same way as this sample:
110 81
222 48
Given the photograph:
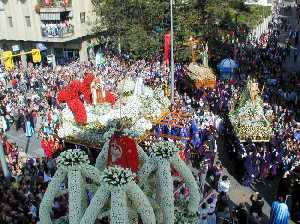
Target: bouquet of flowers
117 176
72 157
164 149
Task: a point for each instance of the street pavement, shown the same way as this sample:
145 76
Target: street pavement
29 145
290 65
238 193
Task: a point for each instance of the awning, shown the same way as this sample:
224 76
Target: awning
50 16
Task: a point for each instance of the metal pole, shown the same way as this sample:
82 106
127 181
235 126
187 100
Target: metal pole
3 162
172 55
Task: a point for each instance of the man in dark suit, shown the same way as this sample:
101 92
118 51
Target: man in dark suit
257 204
242 215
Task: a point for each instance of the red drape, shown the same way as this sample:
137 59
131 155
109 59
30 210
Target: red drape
127 156
167 48
78 109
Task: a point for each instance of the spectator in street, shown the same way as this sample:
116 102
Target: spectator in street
257 204
295 55
211 203
224 184
279 212
202 214
242 215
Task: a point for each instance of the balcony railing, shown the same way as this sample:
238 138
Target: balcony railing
55 3
57 31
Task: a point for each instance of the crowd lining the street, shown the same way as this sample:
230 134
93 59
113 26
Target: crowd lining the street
28 104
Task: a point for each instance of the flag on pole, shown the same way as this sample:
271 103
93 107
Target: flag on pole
167 48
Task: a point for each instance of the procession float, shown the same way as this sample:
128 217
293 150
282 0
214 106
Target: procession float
248 116
201 76
95 117
128 184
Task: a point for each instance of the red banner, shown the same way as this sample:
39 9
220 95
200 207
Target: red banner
167 48
123 152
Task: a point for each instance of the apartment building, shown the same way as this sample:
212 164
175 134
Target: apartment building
62 26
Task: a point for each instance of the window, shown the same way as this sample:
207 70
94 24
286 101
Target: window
82 17
10 21
27 21
1 6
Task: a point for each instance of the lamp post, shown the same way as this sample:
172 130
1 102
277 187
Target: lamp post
172 55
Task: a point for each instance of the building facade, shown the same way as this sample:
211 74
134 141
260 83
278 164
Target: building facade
62 26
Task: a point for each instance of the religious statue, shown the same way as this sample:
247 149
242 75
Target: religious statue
254 90
98 91
205 56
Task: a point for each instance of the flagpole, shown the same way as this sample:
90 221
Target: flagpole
172 54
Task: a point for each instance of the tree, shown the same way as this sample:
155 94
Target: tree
139 25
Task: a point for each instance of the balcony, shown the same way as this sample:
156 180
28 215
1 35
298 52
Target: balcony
53 6
57 30
55 3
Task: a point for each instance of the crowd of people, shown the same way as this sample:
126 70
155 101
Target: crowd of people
29 104
57 29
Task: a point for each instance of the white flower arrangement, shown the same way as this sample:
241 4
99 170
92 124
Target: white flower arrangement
126 87
163 156
151 107
119 211
165 150
131 108
147 91
141 203
49 196
191 183
117 177
141 108
161 98
72 157
119 184
166 187
77 195
101 160
97 203
73 164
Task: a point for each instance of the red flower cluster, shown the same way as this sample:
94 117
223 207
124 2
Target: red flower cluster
71 95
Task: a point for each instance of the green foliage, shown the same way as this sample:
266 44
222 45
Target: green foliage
139 26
